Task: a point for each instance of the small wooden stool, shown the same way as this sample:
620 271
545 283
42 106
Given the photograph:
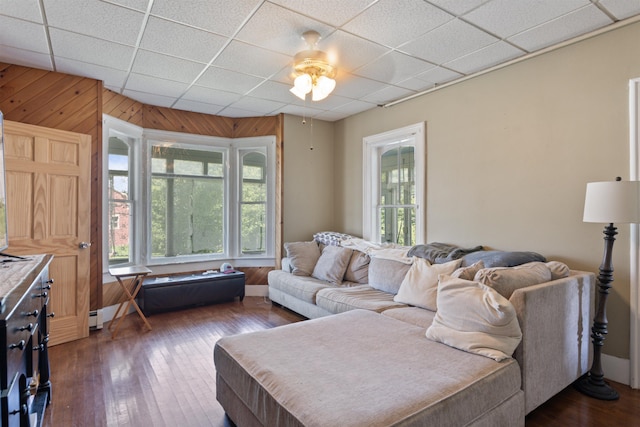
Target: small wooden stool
137 275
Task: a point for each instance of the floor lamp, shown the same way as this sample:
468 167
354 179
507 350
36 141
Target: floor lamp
606 202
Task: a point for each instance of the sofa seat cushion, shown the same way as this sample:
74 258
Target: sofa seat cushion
358 369
302 287
413 315
339 300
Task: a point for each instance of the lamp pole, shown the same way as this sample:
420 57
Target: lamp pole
593 383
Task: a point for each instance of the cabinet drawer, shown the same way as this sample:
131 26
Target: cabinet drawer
11 403
20 327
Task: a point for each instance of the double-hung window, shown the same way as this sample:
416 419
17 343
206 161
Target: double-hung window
121 142
394 186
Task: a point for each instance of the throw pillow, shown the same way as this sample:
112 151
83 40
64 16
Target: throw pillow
468 273
332 264
558 269
420 285
473 317
303 256
387 275
505 280
330 238
358 268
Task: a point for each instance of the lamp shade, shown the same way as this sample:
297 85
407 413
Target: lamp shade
612 202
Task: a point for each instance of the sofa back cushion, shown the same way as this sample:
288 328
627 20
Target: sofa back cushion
505 280
386 275
332 264
303 257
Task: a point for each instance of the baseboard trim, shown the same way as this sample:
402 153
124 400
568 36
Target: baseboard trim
615 368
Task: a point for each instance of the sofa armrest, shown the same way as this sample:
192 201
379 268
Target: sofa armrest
555 318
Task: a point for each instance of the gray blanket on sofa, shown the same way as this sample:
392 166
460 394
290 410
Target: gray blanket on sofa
437 253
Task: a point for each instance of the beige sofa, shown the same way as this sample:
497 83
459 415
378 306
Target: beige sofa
368 359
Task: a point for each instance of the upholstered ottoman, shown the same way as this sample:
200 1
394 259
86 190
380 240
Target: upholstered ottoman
361 368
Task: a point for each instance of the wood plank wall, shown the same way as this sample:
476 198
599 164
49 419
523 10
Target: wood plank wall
72 103
66 102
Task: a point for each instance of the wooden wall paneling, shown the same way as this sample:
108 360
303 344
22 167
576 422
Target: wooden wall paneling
255 126
122 107
65 102
186 121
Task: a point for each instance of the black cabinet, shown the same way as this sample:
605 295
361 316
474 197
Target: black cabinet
25 387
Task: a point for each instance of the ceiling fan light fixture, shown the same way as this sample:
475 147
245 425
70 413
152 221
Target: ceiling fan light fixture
312 70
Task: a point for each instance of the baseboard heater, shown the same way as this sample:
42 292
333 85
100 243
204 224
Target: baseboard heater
95 319
160 294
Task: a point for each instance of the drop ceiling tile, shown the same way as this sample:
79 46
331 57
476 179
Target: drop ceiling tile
91 50
485 58
438 76
26 9
110 76
508 17
449 41
355 87
333 12
415 84
23 35
11 55
238 56
280 30
458 7
140 5
273 90
198 107
97 19
393 67
210 96
417 17
184 42
621 9
352 52
238 112
150 98
218 78
388 94
327 116
561 29
166 67
142 83
219 16
299 110
354 107
257 105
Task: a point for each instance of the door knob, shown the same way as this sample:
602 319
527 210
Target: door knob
84 245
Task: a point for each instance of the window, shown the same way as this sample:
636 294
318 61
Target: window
122 138
199 198
394 183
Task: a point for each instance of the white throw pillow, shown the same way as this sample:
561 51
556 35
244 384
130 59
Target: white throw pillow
420 284
475 318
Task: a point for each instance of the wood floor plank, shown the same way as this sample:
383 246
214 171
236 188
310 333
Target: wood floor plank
166 376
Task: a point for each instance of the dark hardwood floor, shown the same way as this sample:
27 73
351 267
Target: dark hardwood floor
166 377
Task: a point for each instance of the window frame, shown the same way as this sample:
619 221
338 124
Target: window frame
373 147
129 132
141 171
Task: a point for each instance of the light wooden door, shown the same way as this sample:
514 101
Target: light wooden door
49 211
